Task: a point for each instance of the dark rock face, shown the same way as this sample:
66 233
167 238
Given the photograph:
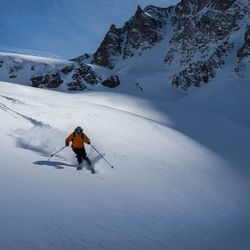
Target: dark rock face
82 74
49 81
244 51
111 82
67 69
196 32
243 54
110 48
141 32
86 73
76 85
222 5
200 72
12 76
202 41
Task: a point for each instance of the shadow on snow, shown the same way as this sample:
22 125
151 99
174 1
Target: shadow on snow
55 164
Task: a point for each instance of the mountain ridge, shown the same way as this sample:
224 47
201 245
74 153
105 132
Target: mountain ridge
200 38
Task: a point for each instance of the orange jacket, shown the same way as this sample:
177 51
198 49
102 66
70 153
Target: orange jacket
77 140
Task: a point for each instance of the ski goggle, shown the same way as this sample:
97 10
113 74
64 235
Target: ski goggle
78 131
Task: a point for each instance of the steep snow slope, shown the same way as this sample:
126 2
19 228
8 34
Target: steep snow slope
181 178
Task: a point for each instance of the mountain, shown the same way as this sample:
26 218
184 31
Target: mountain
53 73
184 46
190 41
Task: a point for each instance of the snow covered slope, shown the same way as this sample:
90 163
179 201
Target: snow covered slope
53 73
181 177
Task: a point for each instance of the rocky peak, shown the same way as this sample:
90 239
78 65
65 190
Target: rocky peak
139 11
141 32
200 36
110 49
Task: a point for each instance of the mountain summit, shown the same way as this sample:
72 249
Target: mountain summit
198 37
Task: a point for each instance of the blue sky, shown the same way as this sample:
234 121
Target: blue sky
63 28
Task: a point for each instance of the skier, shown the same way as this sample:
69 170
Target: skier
78 138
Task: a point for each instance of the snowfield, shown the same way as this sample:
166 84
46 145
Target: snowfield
181 177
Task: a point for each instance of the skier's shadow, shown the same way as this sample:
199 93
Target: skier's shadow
61 165
55 164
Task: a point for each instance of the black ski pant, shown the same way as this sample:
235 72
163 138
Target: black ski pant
81 155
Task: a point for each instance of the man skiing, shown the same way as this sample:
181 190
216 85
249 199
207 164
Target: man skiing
78 138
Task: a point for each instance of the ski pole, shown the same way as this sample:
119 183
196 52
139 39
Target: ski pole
101 156
52 155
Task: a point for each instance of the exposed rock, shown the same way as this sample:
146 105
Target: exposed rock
12 76
111 82
86 73
110 48
52 80
67 69
200 41
141 32
222 5
200 72
244 51
82 74
76 86
243 55
43 74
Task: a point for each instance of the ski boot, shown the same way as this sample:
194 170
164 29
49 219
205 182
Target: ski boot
79 167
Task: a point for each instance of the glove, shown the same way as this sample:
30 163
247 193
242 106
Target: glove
66 144
88 142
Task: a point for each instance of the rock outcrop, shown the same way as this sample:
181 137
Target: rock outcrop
44 73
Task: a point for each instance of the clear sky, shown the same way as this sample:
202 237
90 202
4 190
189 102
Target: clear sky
63 28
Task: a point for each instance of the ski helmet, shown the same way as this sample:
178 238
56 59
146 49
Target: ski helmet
78 130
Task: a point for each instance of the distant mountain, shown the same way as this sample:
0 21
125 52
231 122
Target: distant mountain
191 41
51 73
